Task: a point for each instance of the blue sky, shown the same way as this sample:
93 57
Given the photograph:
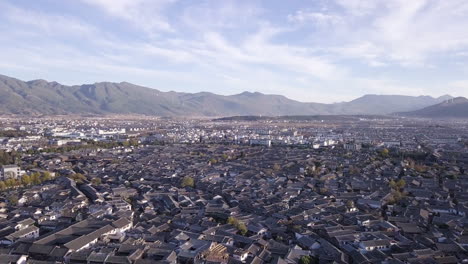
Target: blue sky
308 50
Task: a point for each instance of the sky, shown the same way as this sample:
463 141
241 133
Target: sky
308 50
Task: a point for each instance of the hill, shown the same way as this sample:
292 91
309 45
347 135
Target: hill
40 97
452 108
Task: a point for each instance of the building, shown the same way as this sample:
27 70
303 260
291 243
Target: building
111 132
261 142
352 146
382 244
62 142
10 172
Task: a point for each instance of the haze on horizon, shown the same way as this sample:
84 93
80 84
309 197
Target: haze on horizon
314 51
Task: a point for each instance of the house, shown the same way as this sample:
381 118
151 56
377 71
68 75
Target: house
24 223
13 259
27 232
381 244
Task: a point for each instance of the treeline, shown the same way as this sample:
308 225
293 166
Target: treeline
35 178
89 145
80 179
9 157
13 133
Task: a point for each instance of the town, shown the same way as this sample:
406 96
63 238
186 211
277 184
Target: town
295 189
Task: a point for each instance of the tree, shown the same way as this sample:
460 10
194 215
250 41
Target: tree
26 180
232 220
242 228
36 178
13 199
397 196
305 260
400 184
276 167
188 182
96 181
2 186
397 186
10 183
384 153
46 176
8 157
78 177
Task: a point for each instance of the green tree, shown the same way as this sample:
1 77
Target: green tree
397 196
188 182
232 220
78 177
384 153
276 167
242 228
46 176
26 180
2 186
10 183
305 260
36 178
96 181
13 199
401 184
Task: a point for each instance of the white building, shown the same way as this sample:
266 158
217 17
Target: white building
10 172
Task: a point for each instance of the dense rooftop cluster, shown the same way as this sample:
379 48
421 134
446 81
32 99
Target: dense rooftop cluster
136 190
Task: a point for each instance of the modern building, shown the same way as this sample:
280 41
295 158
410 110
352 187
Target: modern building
10 172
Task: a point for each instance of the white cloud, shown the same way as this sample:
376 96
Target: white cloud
408 33
257 50
145 14
359 7
43 23
213 15
238 45
319 18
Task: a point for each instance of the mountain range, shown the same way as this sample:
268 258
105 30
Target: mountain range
452 108
40 97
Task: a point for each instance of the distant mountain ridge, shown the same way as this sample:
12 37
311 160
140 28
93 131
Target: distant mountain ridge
40 97
451 108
